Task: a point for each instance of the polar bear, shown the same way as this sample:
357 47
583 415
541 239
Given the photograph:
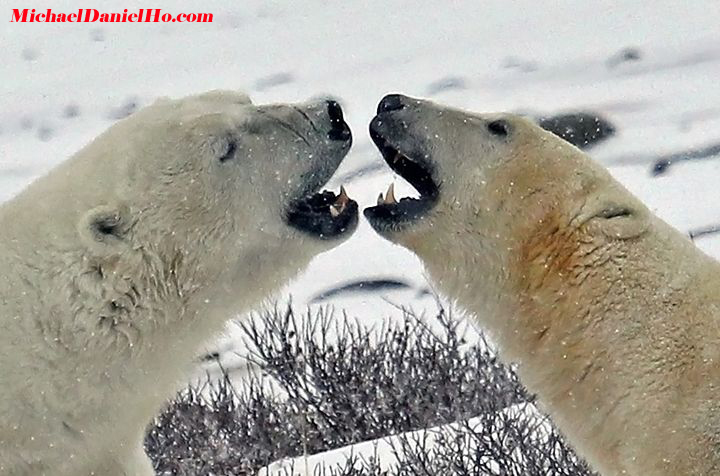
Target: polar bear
121 262
612 316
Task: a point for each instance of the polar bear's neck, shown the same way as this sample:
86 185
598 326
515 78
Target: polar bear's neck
595 326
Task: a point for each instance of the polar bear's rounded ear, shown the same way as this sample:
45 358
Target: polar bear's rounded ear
104 228
616 219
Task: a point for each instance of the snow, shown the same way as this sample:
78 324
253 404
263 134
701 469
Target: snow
386 450
62 84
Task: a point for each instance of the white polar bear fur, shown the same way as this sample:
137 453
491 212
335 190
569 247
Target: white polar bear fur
612 315
121 262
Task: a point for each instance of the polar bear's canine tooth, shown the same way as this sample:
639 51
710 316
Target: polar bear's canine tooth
340 203
389 198
390 195
342 198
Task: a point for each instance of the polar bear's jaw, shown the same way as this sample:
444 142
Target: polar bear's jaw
409 159
324 215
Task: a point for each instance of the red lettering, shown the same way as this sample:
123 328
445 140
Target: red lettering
90 15
91 11
18 17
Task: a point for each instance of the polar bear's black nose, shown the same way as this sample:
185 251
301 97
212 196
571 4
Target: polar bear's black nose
335 111
392 102
339 130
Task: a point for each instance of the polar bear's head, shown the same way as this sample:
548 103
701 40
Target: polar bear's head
216 179
494 189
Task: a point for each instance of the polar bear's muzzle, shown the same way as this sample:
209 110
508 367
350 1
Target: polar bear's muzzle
325 215
408 157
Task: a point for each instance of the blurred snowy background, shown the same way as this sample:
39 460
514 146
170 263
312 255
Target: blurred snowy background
651 68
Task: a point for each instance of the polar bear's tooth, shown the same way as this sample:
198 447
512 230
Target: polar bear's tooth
390 195
343 198
380 199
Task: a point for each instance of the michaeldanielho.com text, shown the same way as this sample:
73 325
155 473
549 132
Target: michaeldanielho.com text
90 15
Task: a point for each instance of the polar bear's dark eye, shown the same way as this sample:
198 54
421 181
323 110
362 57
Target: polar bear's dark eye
230 152
106 225
499 128
615 212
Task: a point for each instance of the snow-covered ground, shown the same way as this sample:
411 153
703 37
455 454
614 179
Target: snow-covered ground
389 452
62 84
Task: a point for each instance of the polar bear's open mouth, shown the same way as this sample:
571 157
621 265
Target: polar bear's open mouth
324 215
413 167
